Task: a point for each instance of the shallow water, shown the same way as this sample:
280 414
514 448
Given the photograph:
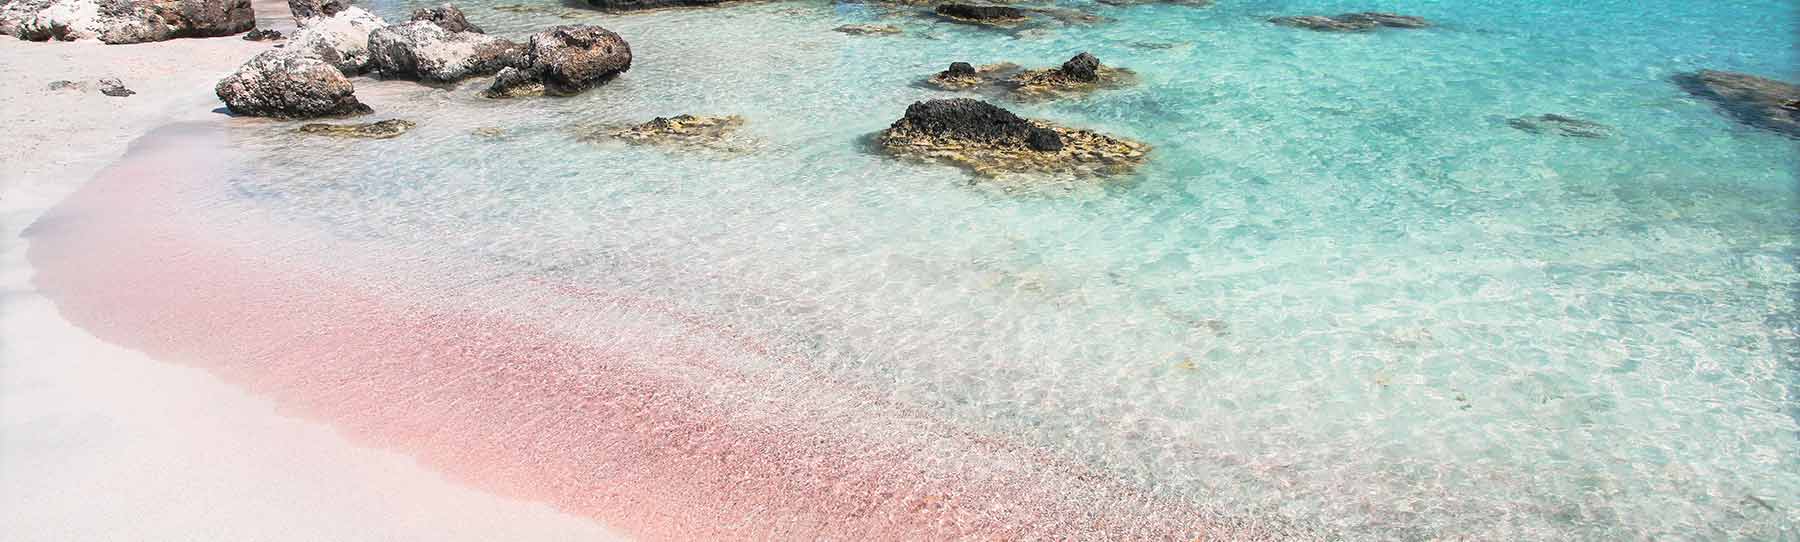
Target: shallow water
1343 294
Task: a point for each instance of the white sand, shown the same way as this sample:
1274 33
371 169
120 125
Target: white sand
98 442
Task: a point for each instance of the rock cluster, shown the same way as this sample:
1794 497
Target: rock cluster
992 141
385 129
965 76
981 14
124 21
563 61
303 10
1551 123
1079 75
1755 101
1352 22
262 35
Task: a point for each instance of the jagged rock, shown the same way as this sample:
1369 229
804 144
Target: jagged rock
385 129
448 17
981 14
1083 67
514 83
303 10
716 133
567 60
963 76
341 40
112 86
1550 123
1352 22
124 21
262 35
289 84
1755 101
424 50
992 141
868 29
636 5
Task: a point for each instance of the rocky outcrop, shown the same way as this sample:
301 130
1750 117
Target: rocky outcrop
262 35
386 129
112 86
992 141
426 51
564 61
303 10
868 29
1551 123
447 17
1352 22
965 76
981 14
637 5
341 40
289 84
1755 101
681 131
124 21
1081 74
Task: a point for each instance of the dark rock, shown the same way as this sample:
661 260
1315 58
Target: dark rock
1755 101
992 141
1551 123
1352 22
289 84
636 5
67 85
1044 140
573 58
963 76
307 9
968 120
124 21
448 17
113 87
426 51
386 129
689 131
514 83
960 68
262 35
868 29
1084 67
980 13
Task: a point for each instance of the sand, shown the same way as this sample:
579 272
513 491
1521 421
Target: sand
98 442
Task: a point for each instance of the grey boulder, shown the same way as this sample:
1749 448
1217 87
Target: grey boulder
425 51
288 84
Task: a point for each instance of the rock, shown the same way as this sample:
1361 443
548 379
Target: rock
426 51
715 133
1195 3
124 21
1352 22
289 84
302 10
963 76
868 29
960 69
112 86
637 5
448 17
262 35
981 14
1081 74
385 129
992 141
1560 125
341 40
570 59
514 83
67 85
1755 101
1083 67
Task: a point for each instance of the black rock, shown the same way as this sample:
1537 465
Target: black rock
115 88
1044 140
975 121
976 12
447 17
960 68
262 35
1084 67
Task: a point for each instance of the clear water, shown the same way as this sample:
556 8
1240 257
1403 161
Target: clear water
1342 293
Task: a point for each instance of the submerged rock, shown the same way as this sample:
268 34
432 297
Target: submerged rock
868 29
1755 101
636 5
1079 75
262 35
308 9
964 76
564 61
1550 123
1352 22
112 86
289 84
385 129
341 40
67 85
992 141
447 17
717 133
427 51
981 14
124 21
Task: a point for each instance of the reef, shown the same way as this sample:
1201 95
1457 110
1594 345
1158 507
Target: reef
385 129
1352 22
993 142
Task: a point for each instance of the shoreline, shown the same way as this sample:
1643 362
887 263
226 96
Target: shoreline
98 441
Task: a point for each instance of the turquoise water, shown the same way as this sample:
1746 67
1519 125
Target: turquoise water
1343 292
